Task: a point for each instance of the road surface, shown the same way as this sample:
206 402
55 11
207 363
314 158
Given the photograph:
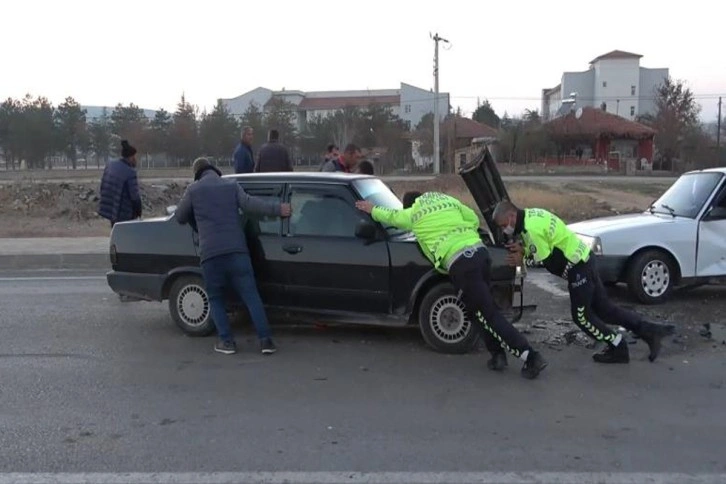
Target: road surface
91 385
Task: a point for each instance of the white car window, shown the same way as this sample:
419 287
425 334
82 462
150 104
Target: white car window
685 198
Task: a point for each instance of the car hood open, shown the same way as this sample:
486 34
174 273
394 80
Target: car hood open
483 180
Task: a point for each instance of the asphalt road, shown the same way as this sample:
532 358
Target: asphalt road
89 384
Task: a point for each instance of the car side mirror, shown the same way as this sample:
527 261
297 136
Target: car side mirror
716 213
366 230
170 209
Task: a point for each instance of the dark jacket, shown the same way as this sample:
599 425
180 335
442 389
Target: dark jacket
244 161
211 205
273 156
120 199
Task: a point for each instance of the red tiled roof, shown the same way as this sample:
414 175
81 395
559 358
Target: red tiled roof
468 128
616 54
596 123
320 103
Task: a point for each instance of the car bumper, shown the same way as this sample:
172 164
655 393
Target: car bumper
611 267
149 287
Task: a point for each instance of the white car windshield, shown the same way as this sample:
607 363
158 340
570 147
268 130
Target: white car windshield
685 198
374 190
377 192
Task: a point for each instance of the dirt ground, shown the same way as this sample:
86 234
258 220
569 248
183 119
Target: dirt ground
41 209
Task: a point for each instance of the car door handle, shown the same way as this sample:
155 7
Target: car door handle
292 249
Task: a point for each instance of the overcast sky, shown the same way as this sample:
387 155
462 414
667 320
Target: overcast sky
148 52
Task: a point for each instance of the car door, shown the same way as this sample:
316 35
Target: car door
711 253
327 266
264 239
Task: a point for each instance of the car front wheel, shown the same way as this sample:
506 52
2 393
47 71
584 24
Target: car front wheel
651 276
444 323
189 306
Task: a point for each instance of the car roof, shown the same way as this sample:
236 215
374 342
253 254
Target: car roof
720 169
306 176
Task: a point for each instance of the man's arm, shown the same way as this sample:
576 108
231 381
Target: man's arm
258 205
238 158
134 195
288 160
184 212
396 218
469 216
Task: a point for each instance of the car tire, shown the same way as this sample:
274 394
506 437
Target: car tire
651 276
189 306
444 323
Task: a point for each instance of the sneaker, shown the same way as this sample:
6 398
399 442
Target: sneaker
498 361
267 346
652 334
613 354
534 365
226 347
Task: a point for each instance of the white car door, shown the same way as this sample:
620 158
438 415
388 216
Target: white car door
711 255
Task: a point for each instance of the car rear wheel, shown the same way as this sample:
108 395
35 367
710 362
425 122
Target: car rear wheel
443 321
651 276
189 306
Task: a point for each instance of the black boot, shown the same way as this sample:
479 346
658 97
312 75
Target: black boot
613 354
653 333
498 361
533 366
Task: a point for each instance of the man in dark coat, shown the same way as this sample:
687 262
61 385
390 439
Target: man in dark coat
273 155
120 199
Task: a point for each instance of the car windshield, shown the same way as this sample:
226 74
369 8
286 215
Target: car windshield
686 196
377 192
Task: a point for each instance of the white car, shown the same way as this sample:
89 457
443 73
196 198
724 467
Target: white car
679 240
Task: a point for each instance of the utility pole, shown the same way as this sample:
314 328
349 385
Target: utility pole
437 161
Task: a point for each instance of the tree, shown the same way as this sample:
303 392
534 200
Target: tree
70 124
37 134
485 114
316 136
159 132
219 132
130 122
10 131
281 116
424 135
184 136
101 136
676 114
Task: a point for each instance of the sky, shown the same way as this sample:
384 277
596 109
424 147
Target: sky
149 52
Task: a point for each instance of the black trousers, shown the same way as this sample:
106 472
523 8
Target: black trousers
591 308
471 274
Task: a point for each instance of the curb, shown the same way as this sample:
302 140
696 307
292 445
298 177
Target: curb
21 262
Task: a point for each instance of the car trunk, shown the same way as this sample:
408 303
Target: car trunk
483 180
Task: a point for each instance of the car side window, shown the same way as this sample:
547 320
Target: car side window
262 224
324 212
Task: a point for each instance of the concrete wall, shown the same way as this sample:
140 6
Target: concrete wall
617 84
580 82
416 103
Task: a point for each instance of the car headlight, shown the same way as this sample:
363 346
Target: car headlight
593 242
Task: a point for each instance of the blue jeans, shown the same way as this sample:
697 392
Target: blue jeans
235 269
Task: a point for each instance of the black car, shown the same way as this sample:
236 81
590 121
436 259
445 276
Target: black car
329 262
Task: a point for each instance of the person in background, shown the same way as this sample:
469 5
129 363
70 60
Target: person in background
273 155
120 199
365 167
347 162
244 160
211 205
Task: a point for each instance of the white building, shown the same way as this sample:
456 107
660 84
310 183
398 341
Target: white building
408 102
615 82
